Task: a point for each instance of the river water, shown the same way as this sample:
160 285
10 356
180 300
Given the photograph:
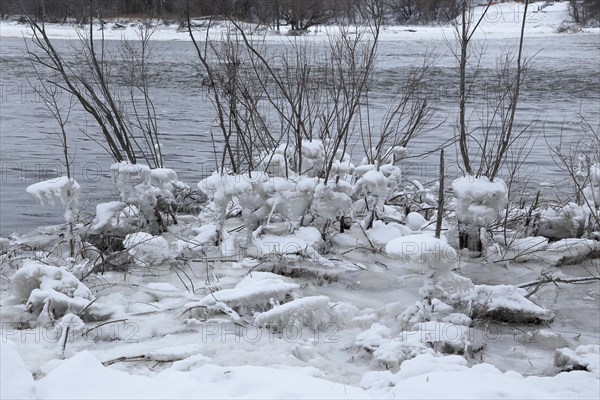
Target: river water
563 83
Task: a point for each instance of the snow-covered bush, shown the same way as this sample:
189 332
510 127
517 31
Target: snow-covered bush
49 292
115 217
133 182
444 292
261 197
168 189
222 189
330 201
275 164
372 189
304 242
290 198
375 185
591 195
592 192
144 194
313 158
479 201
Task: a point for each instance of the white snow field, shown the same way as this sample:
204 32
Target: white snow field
266 294
83 377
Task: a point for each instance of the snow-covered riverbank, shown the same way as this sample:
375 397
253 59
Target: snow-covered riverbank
302 273
502 20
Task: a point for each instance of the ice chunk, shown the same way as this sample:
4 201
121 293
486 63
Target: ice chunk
258 292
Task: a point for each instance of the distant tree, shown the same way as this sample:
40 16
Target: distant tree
591 9
423 11
585 12
302 14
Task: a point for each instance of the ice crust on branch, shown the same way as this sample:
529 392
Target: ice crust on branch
478 199
62 188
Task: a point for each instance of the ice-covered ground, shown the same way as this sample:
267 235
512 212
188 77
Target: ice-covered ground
216 330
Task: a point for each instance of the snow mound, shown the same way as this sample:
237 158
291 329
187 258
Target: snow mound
303 242
83 377
583 357
422 248
508 303
450 377
17 382
192 362
381 233
415 221
105 212
392 353
373 337
311 311
447 337
146 249
53 290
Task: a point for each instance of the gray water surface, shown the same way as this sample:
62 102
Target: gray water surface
563 82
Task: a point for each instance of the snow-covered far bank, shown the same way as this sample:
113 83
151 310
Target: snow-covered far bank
501 20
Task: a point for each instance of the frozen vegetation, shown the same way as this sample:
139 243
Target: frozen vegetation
302 268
